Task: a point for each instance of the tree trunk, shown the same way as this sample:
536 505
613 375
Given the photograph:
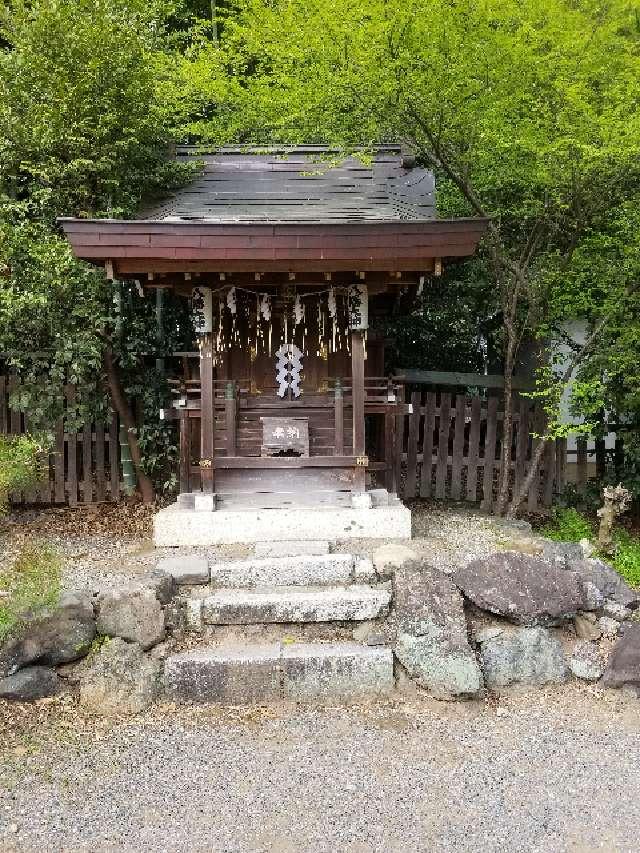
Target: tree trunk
505 467
536 459
122 407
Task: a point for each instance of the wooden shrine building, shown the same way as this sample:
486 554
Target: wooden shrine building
288 257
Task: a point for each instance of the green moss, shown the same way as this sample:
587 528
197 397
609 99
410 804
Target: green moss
30 585
568 525
626 560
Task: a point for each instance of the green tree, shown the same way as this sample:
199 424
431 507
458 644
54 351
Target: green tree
527 111
80 135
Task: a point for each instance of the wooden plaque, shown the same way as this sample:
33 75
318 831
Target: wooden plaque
285 435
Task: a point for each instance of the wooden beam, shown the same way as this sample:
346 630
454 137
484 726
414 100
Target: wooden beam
358 397
207 416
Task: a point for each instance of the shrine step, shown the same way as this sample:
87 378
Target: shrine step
287 604
273 671
292 548
292 571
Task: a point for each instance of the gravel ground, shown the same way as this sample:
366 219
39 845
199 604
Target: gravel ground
551 772
120 552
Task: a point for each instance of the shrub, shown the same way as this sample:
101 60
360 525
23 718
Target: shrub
568 525
626 560
30 585
21 464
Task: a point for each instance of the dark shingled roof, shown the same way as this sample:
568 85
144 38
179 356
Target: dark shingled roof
302 184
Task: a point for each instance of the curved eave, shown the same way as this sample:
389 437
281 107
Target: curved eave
138 246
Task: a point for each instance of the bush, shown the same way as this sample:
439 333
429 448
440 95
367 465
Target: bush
30 585
21 464
627 558
568 525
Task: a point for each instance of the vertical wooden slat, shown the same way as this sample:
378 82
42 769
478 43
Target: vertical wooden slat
185 452
114 458
58 461
357 379
399 448
533 495
561 464
72 452
458 447
489 453
99 450
427 444
207 418
472 452
87 466
412 446
230 418
389 446
338 422
3 405
582 462
443 444
549 471
522 445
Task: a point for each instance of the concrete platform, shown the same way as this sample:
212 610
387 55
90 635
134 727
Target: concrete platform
268 672
292 604
176 526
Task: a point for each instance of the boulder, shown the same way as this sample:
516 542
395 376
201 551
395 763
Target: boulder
121 680
526 590
388 558
527 656
162 584
34 682
52 636
133 613
561 552
610 584
586 662
623 666
432 642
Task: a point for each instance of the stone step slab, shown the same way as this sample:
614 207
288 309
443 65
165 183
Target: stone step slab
323 570
292 548
291 604
275 671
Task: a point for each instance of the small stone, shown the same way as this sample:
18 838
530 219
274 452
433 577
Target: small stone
586 662
388 558
586 628
34 682
133 613
186 569
617 611
121 680
593 598
363 571
162 584
193 615
588 549
608 626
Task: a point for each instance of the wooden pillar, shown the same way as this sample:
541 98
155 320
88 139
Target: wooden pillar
207 416
338 440
357 380
231 418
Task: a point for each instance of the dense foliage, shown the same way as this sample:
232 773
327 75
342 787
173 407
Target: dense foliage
30 585
528 112
21 464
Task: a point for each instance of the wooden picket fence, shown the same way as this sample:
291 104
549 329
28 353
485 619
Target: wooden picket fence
84 464
449 446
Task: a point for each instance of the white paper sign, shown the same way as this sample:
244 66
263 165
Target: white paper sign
358 306
202 310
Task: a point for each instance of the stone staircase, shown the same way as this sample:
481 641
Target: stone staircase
274 597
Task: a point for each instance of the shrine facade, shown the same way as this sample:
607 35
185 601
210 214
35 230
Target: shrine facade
289 259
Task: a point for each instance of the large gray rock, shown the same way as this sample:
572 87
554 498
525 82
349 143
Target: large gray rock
432 642
526 590
34 682
133 613
528 656
56 635
623 666
587 662
121 680
610 584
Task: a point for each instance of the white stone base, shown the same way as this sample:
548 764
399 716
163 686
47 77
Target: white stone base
175 526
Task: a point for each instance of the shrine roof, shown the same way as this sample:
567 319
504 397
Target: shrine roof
301 184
